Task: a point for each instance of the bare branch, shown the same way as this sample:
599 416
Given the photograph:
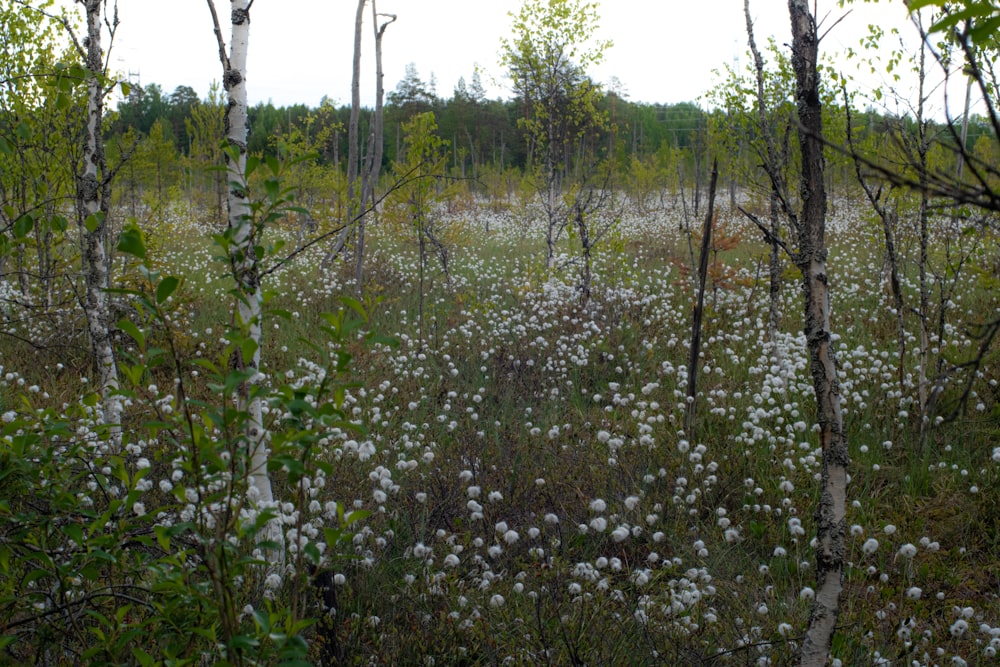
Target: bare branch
223 58
769 238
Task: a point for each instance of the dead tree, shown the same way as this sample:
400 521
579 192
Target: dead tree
706 244
810 257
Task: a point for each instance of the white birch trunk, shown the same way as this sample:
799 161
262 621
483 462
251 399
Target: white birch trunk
92 212
244 260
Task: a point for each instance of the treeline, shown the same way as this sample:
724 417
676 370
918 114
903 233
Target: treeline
171 140
480 131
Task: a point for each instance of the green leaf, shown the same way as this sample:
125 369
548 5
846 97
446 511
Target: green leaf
244 642
58 223
355 305
166 288
23 225
252 163
312 552
125 88
74 531
248 347
985 29
93 221
144 658
273 164
131 242
133 331
914 5
355 516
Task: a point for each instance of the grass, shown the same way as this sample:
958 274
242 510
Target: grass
534 498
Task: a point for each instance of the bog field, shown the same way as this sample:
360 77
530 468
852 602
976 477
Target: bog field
475 465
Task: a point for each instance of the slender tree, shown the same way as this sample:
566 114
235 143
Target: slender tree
775 162
93 201
353 140
243 257
699 308
547 64
810 257
373 158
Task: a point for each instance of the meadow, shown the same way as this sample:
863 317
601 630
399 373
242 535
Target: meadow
522 488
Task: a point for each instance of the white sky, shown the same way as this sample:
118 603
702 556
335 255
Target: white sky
664 50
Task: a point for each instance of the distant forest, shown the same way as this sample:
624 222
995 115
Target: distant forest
175 136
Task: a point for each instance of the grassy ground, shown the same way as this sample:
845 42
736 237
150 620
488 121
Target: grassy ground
534 497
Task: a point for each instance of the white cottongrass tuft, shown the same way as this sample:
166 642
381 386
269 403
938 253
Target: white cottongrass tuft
870 546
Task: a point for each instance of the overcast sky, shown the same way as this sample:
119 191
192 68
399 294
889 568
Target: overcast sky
300 50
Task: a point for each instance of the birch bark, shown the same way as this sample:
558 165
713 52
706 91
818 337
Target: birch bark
811 259
243 257
93 201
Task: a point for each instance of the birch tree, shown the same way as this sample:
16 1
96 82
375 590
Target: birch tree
810 257
547 61
243 258
93 200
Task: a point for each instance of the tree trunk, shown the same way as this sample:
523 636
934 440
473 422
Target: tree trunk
706 244
243 259
775 166
923 148
354 195
93 201
811 259
376 147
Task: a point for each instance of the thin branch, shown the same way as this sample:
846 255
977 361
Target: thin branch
405 180
835 24
219 38
110 592
768 236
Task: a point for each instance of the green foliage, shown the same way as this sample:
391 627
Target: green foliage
547 57
39 125
977 19
102 565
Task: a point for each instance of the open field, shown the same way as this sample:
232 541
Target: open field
532 495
